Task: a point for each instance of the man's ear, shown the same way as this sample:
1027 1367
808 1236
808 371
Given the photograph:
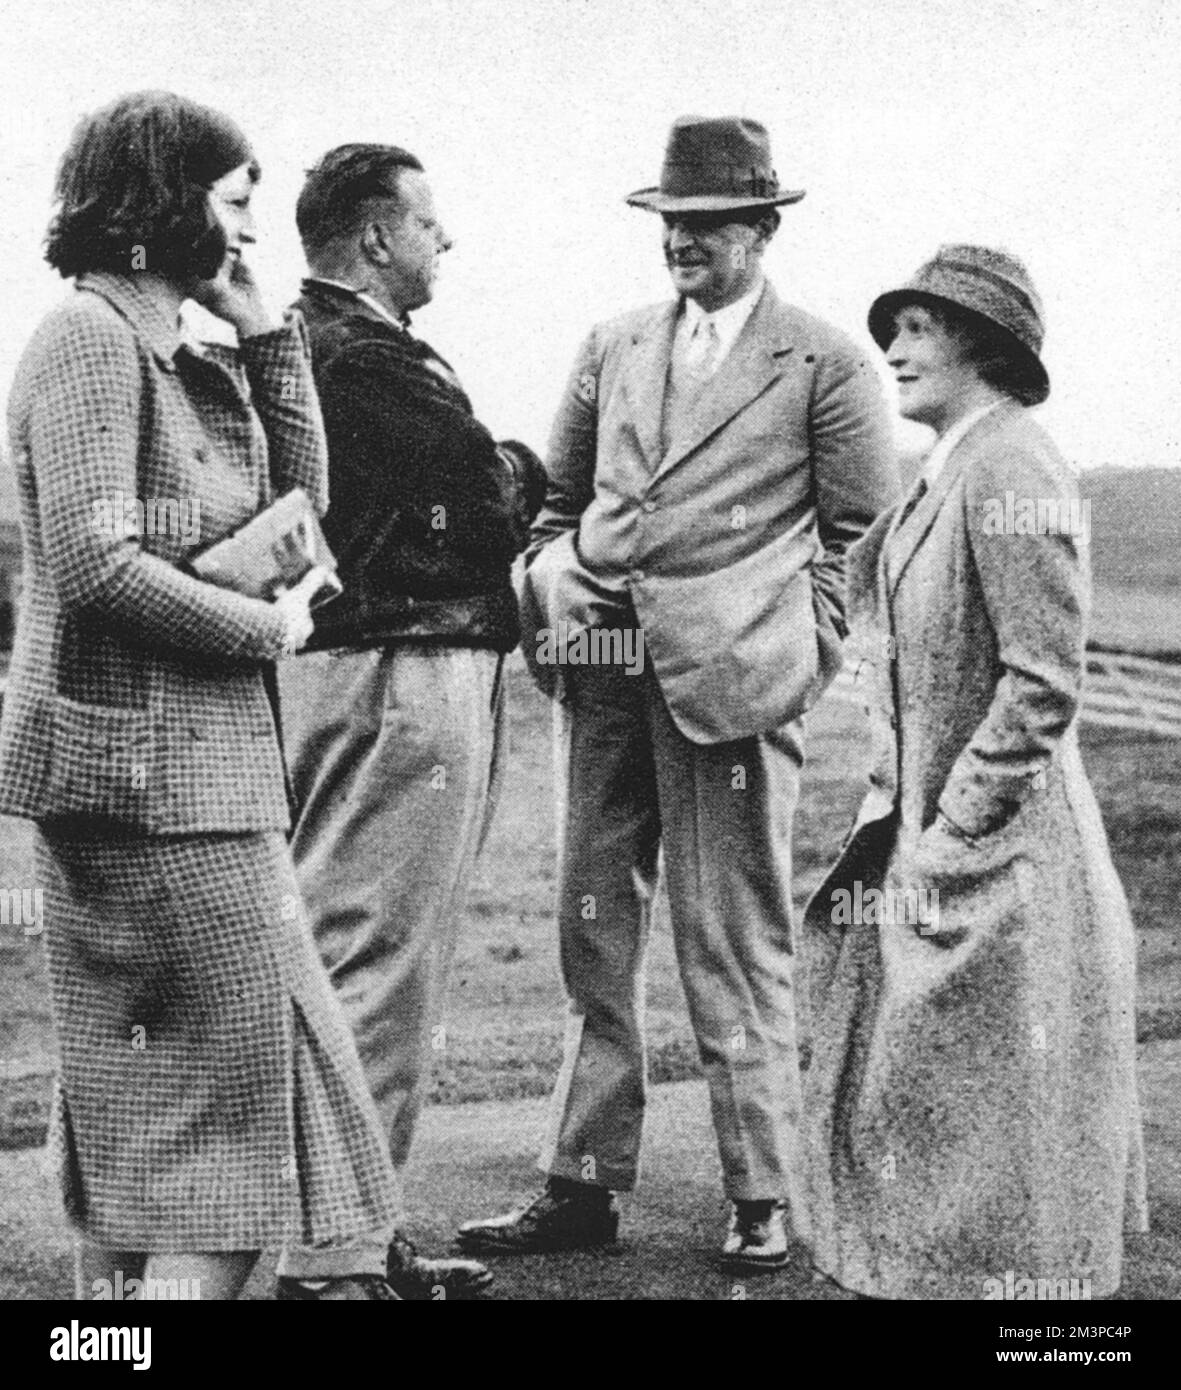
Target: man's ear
766 228
375 246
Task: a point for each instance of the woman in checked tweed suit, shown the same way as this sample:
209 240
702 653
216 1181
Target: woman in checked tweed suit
210 1102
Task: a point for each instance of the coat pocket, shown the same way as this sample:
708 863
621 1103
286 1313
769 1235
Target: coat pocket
102 763
968 891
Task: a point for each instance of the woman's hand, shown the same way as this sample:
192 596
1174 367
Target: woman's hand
293 606
233 295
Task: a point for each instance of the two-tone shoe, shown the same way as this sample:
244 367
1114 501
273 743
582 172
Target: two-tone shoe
757 1239
416 1279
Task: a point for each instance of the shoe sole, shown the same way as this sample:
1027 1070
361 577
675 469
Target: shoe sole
739 1265
476 1245
467 1293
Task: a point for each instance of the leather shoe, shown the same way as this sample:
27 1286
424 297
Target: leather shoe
757 1238
416 1279
356 1288
548 1224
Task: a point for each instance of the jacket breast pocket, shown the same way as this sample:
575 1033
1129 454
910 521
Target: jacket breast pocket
103 763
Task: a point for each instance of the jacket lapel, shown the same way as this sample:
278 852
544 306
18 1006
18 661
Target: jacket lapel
903 543
751 365
141 308
645 374
862 569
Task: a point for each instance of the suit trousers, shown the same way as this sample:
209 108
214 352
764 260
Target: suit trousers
631 785
396 758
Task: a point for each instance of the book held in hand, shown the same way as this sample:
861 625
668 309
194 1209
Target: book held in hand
273 551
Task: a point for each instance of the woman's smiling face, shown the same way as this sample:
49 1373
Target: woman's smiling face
930 366
229 201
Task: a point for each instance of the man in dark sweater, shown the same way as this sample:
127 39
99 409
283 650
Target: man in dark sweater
394 717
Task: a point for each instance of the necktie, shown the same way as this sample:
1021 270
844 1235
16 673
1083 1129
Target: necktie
917 492
704 349
692 364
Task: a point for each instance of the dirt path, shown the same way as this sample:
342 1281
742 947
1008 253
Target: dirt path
475 1159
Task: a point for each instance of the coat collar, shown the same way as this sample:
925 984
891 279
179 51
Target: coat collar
345 298
139 301
903 542
728 322
862 567
751 365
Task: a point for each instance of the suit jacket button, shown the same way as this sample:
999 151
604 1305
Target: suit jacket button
647 505
636 576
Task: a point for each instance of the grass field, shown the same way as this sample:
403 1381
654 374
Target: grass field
505 1015
505 1026
1136 556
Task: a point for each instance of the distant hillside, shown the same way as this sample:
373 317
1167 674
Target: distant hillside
1135 526
1135 552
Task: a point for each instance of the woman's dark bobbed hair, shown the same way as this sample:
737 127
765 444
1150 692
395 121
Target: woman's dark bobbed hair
131 188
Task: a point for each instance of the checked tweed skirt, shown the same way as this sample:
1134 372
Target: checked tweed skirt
210 1097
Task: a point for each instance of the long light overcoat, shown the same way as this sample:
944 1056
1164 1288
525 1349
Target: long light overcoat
972 1102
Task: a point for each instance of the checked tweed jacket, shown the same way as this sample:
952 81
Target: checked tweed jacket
136 691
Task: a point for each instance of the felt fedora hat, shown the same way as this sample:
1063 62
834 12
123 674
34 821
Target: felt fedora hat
993 285
715 164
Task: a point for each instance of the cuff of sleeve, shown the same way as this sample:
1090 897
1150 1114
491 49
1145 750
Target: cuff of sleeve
530 480
954 828
277 637
277 346
971 814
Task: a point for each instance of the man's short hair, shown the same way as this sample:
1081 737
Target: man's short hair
133 184
757 217
341 187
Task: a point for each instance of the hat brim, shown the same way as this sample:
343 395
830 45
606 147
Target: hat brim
653 200
1029 372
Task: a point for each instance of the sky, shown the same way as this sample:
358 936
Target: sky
1048 127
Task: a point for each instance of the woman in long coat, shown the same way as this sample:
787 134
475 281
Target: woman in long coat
211 1102
972 1102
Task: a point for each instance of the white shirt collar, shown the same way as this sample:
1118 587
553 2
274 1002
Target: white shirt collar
939 455
728 321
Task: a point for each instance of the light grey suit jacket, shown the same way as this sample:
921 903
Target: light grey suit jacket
731 542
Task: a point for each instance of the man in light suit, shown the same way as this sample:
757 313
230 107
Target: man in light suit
713 459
